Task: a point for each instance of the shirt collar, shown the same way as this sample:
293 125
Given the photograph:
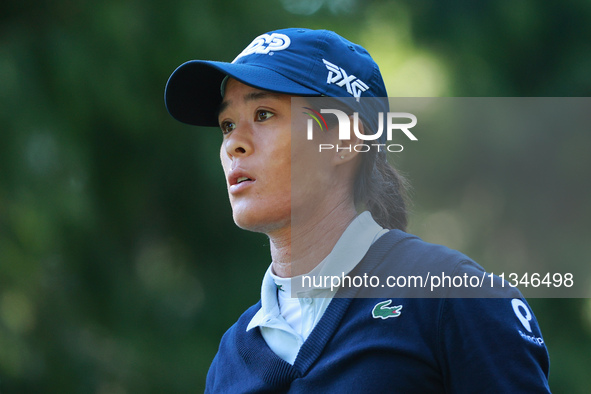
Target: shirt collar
269 305
351 247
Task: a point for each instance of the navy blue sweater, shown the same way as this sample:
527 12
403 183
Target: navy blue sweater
430 345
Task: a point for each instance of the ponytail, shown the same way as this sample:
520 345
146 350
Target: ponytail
382 191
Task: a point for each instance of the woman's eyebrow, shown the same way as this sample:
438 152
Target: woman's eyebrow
252 96
259 95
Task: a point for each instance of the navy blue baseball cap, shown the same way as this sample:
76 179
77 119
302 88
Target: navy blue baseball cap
294 61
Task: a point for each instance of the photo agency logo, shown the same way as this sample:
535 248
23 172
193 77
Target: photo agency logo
389 126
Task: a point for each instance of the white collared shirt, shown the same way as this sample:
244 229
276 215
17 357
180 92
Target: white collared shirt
286 322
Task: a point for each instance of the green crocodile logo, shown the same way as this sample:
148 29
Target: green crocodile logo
383 311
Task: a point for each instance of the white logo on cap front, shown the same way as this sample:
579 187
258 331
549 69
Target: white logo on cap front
336 74
264 44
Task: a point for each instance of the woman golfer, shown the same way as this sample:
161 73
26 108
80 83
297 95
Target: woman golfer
315 336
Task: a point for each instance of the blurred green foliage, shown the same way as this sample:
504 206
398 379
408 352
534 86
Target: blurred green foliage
120 266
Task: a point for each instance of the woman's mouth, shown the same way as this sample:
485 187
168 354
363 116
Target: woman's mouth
239 181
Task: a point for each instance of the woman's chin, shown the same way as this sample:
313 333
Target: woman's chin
261 221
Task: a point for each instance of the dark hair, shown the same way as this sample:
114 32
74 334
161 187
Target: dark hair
378 187
381 190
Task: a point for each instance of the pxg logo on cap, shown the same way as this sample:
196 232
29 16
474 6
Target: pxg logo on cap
338 75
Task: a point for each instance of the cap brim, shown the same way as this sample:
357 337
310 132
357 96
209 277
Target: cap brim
193 95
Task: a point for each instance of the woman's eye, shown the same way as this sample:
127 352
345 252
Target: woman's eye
263 115
227 127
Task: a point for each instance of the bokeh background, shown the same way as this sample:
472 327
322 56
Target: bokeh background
120 266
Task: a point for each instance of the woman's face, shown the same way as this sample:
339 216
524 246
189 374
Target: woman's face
257 153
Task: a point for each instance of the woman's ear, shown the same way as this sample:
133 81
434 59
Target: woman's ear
346 149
